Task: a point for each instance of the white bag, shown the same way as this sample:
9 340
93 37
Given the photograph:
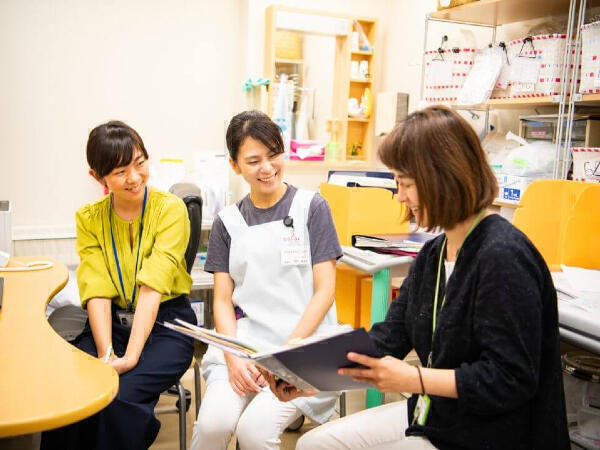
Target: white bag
534 159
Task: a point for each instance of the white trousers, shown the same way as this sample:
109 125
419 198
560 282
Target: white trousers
256 419
380 428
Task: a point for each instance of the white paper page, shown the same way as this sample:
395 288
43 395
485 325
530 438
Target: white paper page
525 70
440 73
584 281
482 77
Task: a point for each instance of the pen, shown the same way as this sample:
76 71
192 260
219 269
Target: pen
108 354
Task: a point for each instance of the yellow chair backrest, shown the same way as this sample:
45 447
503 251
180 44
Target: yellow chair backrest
543 213
581 241
362 210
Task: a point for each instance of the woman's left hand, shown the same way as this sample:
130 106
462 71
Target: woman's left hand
388 374
283 390
123 364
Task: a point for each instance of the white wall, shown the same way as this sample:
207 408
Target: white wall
171 70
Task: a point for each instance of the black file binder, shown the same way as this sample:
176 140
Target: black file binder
310 365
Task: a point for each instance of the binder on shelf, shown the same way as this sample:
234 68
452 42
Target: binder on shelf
311 364
398 244
364 210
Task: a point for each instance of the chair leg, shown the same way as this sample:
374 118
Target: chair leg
197 386
182 400
343 404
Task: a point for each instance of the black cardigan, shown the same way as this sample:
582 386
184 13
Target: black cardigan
498 329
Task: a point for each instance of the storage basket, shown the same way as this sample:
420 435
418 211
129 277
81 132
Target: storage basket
586 164
549 49
461 60
590 58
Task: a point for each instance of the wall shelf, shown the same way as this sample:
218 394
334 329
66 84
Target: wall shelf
501 12
362 52
361 80
359 119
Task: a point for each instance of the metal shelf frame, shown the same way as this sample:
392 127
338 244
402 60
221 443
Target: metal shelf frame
566 100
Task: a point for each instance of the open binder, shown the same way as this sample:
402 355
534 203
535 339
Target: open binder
397 244
312 364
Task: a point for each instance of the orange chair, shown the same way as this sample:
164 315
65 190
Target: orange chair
581 239
543 212
363 210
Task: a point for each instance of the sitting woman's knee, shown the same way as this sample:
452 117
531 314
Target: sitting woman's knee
253 435
212 427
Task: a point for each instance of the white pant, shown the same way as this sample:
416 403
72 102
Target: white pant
257 419
380 428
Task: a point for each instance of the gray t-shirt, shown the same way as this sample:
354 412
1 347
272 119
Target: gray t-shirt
324 243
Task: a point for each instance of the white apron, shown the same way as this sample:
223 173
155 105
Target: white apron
273 296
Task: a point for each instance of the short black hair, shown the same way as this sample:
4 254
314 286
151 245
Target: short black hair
254 124
112 145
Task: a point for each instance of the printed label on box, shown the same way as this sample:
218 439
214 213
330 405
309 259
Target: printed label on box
512 194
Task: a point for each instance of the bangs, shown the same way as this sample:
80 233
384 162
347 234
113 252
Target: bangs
113 145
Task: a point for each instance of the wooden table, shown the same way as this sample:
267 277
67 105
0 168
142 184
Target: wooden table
45 382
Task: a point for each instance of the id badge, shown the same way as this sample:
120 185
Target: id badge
125 318
422 410
294 255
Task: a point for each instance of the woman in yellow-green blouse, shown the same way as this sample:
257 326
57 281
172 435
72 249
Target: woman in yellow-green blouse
132 274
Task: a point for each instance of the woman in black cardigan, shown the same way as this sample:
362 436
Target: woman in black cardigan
478 306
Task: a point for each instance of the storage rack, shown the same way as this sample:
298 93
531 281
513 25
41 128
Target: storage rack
495 13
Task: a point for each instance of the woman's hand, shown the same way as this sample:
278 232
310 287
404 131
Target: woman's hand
282 389
123 364
244 377
388 374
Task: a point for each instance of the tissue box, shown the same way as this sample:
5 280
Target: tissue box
307 150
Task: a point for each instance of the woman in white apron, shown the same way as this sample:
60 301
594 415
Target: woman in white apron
273 255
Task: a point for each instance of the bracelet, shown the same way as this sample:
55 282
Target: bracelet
421 380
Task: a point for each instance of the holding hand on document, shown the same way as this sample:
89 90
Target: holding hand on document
244 376
388 374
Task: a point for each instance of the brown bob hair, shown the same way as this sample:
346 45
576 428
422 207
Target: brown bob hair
442 153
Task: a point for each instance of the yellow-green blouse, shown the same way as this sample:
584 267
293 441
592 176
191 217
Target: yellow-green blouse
161 265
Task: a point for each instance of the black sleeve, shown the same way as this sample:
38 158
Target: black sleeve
508 328
217 257
391 336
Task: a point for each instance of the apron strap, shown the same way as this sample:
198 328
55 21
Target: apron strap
300 206
233 220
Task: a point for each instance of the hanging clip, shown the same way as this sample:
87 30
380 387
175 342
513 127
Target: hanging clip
440 50
502 45
529 40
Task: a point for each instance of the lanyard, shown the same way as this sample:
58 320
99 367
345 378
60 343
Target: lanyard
112 236
437 283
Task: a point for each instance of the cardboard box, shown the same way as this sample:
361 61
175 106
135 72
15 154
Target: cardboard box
511 187
451 4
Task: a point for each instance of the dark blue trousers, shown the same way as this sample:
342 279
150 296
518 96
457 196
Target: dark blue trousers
129 421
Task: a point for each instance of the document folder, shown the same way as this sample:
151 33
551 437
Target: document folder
311 365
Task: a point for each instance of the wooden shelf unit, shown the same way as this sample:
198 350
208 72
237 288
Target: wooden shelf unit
352 130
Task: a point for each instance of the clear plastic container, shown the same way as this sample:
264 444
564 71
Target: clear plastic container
588 419
581 380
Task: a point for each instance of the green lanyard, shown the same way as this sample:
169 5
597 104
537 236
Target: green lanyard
437 283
